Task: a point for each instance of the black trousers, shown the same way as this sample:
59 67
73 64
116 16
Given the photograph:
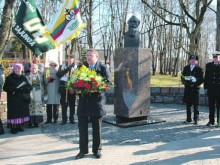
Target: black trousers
52 109
214 103
1 127
71 99
83 133
189 112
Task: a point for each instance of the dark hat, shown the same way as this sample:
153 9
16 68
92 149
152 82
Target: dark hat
193 57
215 54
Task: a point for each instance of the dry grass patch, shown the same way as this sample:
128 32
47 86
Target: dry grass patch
165 81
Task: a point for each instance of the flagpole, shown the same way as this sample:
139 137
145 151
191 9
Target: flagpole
74 52
74 56
68 73
30 56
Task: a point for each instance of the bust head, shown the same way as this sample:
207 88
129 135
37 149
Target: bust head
133 22
132 36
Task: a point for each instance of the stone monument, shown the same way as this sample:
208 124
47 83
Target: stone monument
132 77
132 36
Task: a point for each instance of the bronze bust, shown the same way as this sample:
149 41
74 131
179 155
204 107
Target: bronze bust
132 36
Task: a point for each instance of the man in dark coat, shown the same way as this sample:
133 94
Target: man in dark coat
212 87
91 107
63 73
192 78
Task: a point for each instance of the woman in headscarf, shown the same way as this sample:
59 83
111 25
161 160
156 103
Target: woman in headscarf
36 106
16 85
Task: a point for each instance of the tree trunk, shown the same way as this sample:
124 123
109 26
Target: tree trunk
90 41
161 62
218 27
6 23
194 42
24 51
175 69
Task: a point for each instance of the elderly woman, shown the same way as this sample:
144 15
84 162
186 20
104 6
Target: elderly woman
52 85
17 86
36 106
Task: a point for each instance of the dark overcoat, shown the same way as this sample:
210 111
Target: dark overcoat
16 107
61 72
191 91
212 79
93 104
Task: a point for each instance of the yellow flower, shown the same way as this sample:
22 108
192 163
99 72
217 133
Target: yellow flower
85 80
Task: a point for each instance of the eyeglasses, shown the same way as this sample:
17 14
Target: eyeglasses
53 65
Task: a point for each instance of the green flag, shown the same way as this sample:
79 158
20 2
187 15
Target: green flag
29 27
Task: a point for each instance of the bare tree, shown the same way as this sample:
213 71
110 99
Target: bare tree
218 26
191 19
6 24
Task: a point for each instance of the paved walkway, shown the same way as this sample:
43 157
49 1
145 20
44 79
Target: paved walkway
32 147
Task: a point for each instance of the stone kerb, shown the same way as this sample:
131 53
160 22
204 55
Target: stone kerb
173 95
166 95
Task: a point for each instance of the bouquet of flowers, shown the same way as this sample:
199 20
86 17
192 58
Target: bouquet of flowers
85 80
188 80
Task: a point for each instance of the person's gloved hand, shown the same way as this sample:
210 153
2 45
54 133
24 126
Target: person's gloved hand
69 67
50 79
193 79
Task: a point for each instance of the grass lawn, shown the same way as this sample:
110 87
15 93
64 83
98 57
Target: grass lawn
165 81
162 80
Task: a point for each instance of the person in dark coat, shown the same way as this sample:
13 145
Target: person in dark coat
18 109
27 68
63 73
91 107
212 87
2 80
192 78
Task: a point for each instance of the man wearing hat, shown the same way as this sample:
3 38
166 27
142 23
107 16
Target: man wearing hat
192 78
212 87
63 73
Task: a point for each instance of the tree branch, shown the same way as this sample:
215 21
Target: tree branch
166 21
186 12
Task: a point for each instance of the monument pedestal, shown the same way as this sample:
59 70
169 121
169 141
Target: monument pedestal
132 84
125 124
132 88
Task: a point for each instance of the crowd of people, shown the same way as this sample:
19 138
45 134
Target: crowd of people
192 78
28 91
29 88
